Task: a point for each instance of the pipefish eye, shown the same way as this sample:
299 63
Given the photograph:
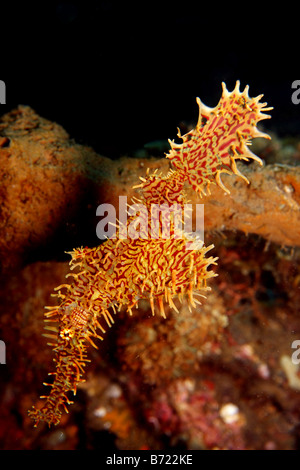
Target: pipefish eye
66 334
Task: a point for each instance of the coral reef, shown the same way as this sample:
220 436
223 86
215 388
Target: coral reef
214 376
46 181
41 161
153 374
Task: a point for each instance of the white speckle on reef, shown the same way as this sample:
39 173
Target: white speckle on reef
229 413
100 412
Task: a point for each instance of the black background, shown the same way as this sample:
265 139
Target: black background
117 75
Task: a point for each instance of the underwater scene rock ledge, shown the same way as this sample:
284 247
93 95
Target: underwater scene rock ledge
215 376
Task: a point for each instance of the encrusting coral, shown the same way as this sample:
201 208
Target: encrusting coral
150 258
